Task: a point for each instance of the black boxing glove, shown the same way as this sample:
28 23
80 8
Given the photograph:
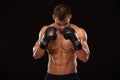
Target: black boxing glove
70 33
49 34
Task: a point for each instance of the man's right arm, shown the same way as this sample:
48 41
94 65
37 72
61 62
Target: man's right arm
46 34
37 51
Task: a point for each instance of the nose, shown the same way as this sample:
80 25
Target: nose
62 27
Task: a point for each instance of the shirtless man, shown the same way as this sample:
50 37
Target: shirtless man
64 42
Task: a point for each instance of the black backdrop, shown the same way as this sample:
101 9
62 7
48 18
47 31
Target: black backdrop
21 22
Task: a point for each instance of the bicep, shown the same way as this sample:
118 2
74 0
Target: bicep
39 37
42 32
84 45
83 38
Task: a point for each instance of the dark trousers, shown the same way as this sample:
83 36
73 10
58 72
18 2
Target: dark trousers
73 76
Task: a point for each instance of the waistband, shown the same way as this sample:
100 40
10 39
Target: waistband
65 76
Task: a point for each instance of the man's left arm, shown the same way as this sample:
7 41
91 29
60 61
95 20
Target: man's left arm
83 53
78 37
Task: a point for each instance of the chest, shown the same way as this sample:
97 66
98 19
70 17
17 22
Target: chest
60 43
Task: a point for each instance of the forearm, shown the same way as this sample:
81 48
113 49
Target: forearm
37 51
83 54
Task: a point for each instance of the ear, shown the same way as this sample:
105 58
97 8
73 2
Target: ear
70 16
53 17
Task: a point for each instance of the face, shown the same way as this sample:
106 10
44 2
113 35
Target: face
62 24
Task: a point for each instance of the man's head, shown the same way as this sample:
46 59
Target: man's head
62 15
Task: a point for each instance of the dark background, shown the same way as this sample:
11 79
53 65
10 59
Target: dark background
21 22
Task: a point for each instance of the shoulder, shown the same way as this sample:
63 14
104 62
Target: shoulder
42 30
80 31
77 28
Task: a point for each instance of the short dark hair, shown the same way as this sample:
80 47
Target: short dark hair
61 11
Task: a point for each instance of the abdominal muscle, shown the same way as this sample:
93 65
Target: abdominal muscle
64 64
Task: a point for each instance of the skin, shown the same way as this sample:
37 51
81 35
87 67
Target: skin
62 55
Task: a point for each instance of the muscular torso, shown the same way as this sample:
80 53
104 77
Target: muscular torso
62 58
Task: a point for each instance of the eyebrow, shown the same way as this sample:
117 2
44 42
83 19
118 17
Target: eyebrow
63 24
66 23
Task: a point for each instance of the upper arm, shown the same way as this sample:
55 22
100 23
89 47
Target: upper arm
82 35
39 37
42 32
